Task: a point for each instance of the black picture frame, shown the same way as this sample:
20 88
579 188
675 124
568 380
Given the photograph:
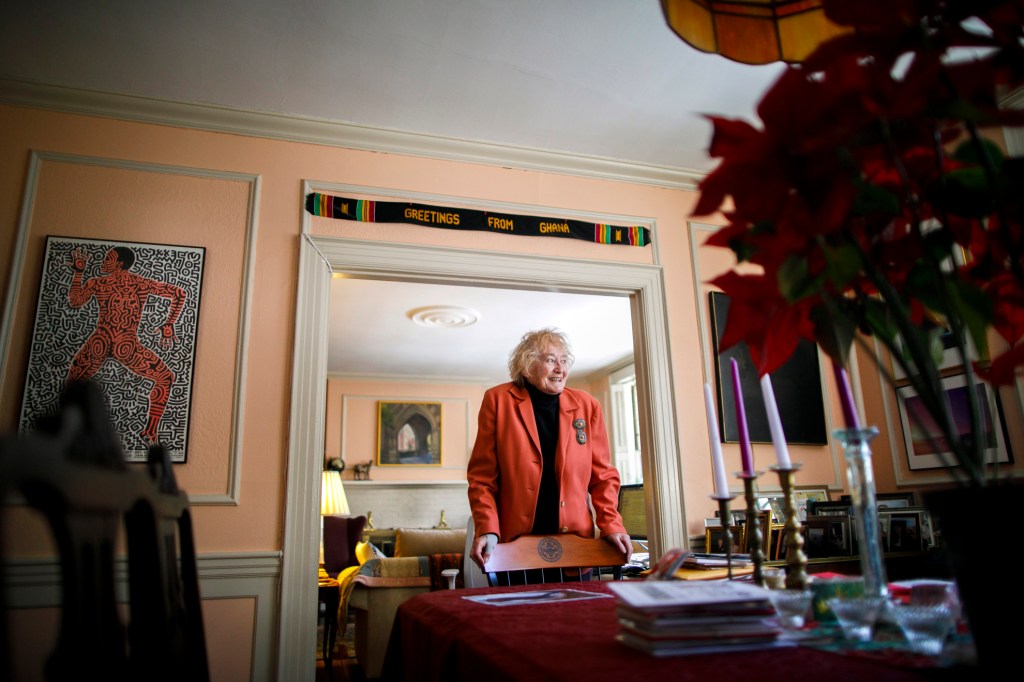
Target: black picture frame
164 281
827 536
829 508
797 387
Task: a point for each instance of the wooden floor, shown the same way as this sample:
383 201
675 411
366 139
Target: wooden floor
341 670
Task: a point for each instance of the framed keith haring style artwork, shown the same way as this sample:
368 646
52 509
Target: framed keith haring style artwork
124 314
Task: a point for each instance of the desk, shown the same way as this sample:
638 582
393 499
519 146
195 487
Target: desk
329 592
440 636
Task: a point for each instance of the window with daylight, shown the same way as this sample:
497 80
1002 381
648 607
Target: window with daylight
625 423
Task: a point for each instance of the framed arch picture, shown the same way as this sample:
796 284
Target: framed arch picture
408 433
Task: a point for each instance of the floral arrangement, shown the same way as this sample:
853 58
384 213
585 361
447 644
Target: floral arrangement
875 205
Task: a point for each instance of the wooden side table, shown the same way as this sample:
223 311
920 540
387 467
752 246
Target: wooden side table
329 593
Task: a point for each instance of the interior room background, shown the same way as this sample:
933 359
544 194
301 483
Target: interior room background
251 463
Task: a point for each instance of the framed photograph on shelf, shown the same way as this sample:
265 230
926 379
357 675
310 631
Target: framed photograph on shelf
926 448
922 521
774 504
828 508
408 433
906 531
808 493
889 500
827 536
714 540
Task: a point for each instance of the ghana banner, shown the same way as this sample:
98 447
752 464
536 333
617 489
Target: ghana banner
327 206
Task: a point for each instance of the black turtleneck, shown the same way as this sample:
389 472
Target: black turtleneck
545 412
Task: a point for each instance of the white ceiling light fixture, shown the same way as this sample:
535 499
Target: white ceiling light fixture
446 316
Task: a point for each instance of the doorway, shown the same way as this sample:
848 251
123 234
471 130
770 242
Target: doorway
320 257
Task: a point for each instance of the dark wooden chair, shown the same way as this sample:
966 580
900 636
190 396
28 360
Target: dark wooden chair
71 468
341 534
552 558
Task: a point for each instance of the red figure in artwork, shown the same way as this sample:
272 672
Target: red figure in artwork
121 296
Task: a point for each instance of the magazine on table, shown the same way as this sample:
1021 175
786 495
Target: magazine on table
690 596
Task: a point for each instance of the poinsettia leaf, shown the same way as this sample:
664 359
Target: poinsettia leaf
877 321
969 152
974 309
834 330
935 344
795 279
844 264
1003 370
872 199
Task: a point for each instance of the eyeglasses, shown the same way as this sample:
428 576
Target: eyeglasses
551 360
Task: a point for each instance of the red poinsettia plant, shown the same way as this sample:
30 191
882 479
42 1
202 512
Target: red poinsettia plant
875 205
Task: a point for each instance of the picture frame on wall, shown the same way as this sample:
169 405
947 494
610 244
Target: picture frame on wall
124 315
408 433
926 448
950 363
797 386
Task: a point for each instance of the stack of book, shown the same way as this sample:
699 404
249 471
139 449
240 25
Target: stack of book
698 560
671 617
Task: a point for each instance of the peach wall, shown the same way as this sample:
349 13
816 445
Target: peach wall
351 425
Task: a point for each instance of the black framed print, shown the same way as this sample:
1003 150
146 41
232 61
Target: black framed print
797 386
124 315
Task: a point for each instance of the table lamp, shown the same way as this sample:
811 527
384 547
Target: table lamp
332 501
332 494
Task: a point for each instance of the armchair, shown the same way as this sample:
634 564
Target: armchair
382 584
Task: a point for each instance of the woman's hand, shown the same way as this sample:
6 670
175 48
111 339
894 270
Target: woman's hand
482 547
622 542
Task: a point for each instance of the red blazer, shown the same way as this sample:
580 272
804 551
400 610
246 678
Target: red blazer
505 467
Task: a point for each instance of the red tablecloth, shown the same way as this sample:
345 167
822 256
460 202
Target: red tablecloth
441 636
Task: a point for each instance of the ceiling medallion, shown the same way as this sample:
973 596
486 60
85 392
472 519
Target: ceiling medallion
449 316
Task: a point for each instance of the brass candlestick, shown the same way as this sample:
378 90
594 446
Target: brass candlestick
755 538
796 560
723 515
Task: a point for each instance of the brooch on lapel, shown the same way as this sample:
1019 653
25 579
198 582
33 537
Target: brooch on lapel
581 435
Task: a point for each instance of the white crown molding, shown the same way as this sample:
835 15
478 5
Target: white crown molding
336 134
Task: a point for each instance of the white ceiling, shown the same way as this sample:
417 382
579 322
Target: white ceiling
588 78
372 332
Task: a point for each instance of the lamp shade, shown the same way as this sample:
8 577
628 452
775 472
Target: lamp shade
332 494
752 31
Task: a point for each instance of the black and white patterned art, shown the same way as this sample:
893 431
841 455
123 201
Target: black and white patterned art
125 315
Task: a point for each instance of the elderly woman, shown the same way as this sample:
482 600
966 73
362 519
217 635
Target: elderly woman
540 450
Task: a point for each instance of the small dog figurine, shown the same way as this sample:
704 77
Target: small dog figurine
361 471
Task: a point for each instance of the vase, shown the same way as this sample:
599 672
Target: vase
978 552
860 480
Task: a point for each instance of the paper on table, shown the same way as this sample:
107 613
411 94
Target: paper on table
666 594
535 597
